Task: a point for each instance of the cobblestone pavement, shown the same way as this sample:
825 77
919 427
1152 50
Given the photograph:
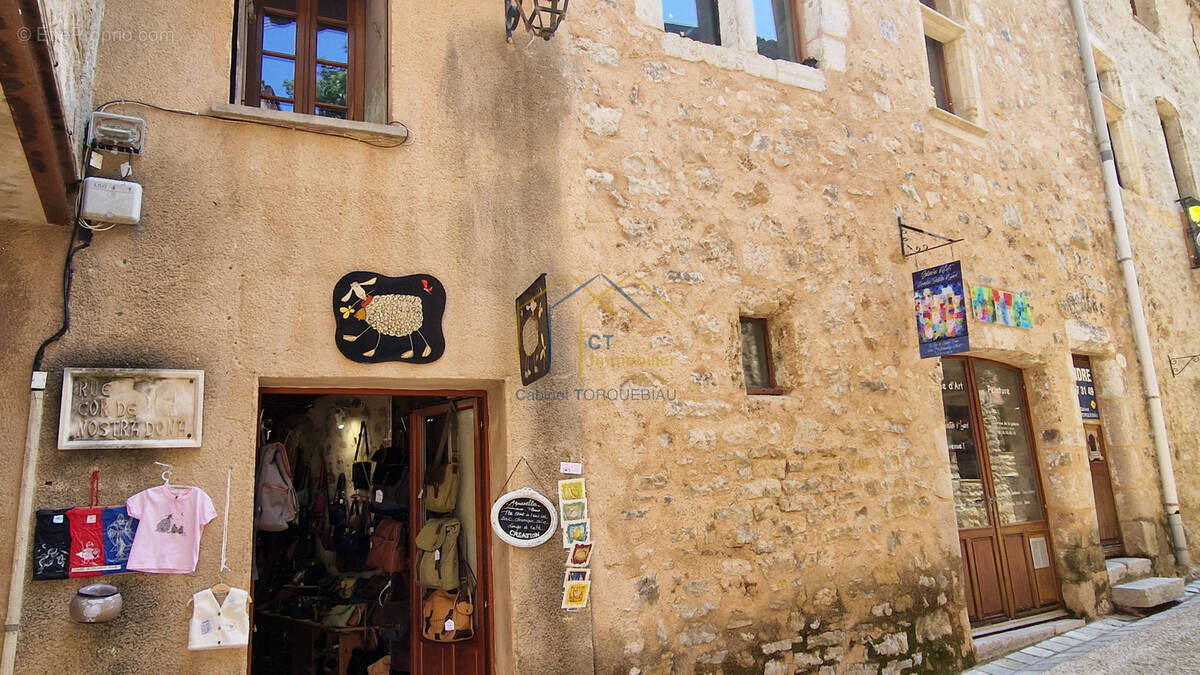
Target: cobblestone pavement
1164 643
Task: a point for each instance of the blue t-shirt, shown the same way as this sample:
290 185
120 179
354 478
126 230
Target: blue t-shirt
119 528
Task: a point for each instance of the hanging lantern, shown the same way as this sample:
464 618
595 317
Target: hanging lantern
542 20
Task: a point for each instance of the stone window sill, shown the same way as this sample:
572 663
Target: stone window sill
957 126
368 132
728 58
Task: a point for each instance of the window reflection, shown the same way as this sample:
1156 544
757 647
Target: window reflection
774 22
694 19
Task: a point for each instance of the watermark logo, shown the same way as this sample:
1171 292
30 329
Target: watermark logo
601 348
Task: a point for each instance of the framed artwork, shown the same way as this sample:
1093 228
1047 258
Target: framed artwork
379 318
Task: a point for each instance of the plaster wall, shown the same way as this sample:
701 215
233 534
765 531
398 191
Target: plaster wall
1156 66
804 530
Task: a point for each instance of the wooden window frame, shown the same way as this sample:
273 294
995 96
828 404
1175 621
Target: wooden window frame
938 54
797 8
307 23
772 389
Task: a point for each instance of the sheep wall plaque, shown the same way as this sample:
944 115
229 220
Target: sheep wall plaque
381 318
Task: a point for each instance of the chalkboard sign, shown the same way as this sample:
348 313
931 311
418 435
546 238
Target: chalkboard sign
524 518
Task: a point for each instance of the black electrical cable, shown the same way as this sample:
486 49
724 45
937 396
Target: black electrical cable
85 237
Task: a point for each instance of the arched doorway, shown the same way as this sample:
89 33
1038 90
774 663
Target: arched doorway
998 502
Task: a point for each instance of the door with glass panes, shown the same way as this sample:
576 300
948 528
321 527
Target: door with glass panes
998 503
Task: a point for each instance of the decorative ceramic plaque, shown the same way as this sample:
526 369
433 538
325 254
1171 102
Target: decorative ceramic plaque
381 318
131 408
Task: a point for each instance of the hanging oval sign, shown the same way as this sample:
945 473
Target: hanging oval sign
524 518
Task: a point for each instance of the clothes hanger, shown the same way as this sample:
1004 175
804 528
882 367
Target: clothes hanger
166 476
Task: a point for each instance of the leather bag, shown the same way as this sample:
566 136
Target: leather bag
360 472
276 504
437 554
448 616
345 616
387 547
442 477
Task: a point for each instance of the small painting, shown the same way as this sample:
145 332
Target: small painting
992 305
533 332
571 490
941 312
573 510
575 594
580 556
576 575
577 532
379 318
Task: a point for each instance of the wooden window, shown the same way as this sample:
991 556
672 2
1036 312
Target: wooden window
694 19
1177 156
777 29
757 369
936 52
306 56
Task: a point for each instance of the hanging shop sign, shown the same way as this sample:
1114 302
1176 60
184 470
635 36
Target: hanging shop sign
131 408
381 318
992 305
1086 389
533 331
941 310
524 518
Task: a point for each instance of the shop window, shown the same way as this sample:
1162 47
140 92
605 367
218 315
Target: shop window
953 82
775 23
315 57
757 369
694 19
1177 156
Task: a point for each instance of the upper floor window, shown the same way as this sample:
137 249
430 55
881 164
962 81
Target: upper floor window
1145 11
695 19
306 56
953 78
757 368
776 24
1177 155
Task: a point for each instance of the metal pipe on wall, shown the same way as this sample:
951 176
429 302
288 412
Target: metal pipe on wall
20 558
1133 294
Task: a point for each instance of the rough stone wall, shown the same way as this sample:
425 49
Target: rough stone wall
809 531
73 30
1151 66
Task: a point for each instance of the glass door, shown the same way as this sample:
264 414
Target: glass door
1002 526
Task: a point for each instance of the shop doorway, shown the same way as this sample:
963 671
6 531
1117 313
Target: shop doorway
338 590
1106 504
998 502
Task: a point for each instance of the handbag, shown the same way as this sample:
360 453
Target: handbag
337 509
389 481
442 477
275 503
357 516
387 547
360 472
449 615
345 616
437 559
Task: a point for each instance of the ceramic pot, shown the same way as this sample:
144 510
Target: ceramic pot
96 603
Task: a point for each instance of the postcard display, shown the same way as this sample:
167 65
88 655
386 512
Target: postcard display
577 540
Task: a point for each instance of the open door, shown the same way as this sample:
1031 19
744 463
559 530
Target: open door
468 657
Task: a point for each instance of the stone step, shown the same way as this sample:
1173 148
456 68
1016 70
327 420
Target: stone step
1121 569
1149 592
992 647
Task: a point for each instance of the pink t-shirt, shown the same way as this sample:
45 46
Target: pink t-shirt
168 536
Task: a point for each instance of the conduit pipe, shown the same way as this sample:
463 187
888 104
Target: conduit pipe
1133 294
20 559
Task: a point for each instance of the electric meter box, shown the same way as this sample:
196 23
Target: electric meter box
111 201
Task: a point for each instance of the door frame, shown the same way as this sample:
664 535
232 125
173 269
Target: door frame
998 532
484 594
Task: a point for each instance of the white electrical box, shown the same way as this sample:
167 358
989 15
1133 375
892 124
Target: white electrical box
120 133
111 201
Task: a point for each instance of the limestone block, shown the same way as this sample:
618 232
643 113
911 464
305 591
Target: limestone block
1149 592
1116 571
1134 567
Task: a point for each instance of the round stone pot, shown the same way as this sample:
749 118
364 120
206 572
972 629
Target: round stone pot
96 603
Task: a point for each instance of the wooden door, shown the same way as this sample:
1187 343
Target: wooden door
468 657
1106 505
1002 524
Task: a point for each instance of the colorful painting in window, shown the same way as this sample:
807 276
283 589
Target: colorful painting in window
992 305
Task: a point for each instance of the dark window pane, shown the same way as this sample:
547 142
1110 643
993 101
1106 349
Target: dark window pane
278 77
937 73
331 84
1116 160
1010 450
279 34
966 479
332 112
774 23
695 19
332 44
332 9
289 5
754 354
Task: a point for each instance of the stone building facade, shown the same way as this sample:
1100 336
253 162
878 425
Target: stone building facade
809 529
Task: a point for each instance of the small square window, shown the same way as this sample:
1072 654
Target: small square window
756 357
694 19
775 23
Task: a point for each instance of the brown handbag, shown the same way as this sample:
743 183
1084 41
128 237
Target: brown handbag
388 547
448 616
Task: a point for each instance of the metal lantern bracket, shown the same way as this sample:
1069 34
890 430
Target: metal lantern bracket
543 19
1186 360
907 248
